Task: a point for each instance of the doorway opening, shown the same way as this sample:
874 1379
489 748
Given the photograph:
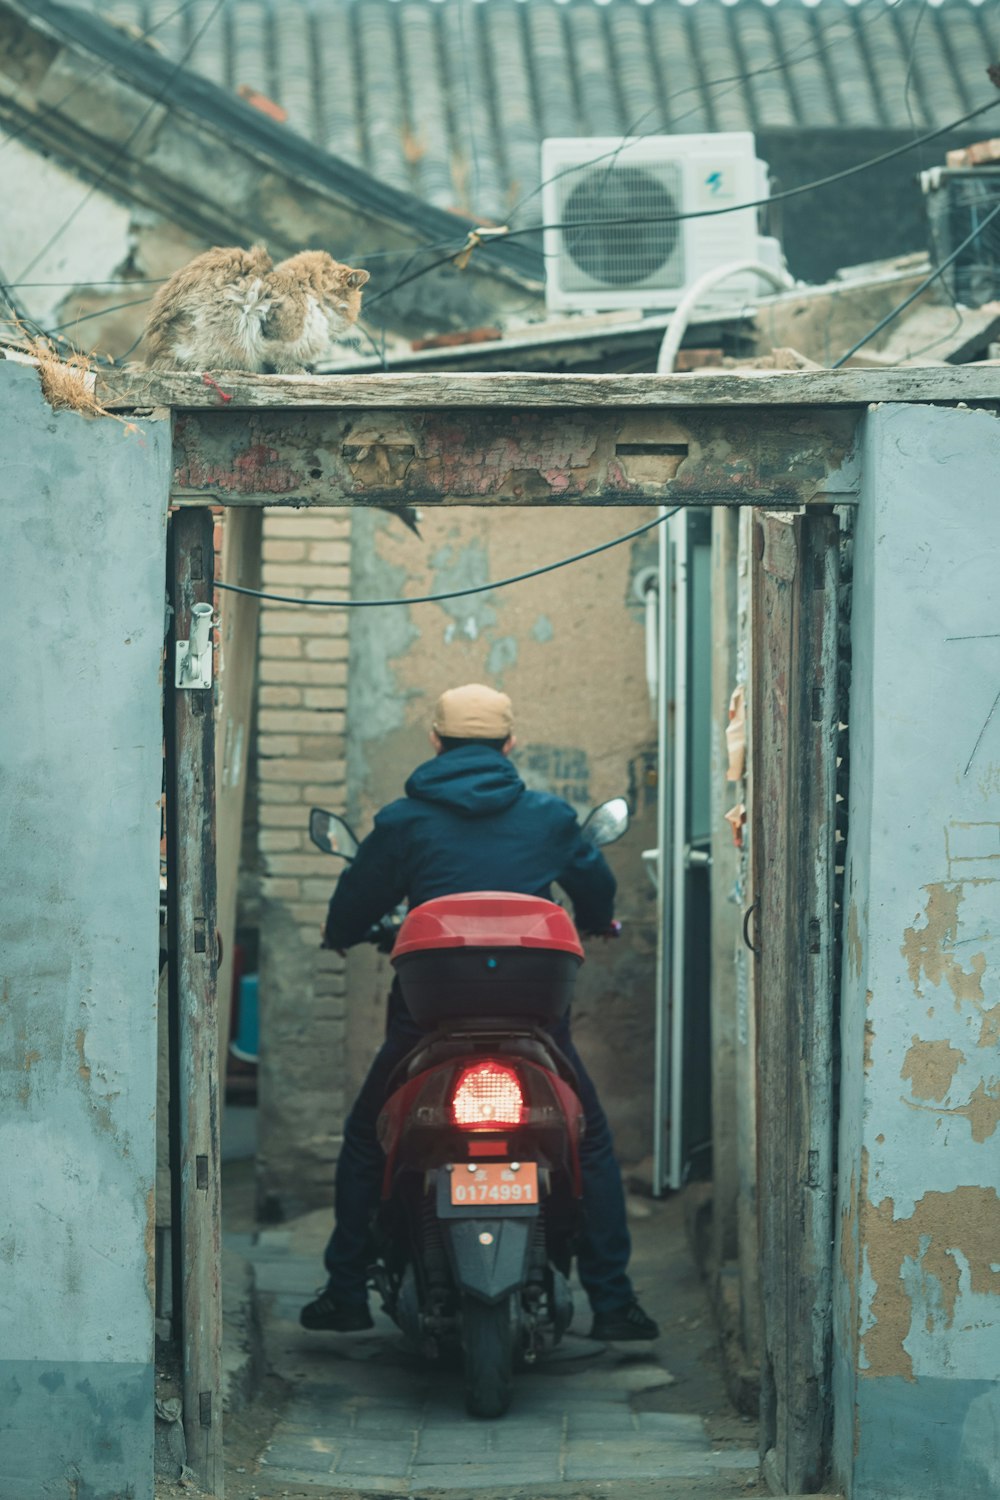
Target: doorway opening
790 579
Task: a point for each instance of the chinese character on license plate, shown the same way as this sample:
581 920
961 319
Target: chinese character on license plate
495 1183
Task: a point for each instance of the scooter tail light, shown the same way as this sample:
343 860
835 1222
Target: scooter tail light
487 1096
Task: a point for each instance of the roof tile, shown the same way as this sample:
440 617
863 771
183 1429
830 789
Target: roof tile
451 100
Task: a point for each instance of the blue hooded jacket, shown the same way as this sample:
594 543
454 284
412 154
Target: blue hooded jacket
468 823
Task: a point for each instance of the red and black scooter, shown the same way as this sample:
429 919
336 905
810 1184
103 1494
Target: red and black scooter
481 1128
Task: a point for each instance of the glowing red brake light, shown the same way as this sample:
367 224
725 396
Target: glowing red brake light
487 1095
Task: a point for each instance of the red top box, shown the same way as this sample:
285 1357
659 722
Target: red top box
487 919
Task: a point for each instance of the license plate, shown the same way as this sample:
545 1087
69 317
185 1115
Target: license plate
494 1183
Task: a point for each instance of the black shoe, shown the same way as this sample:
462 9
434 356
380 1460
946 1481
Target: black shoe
624 1325
329 1315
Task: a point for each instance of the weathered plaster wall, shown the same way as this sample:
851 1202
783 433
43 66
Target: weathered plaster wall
82 530
569 648
917 1316
109 241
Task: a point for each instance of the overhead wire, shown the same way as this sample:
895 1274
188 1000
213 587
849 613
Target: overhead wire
726 84
479 588
785 193
100 312
730 80
58 104
918 291
406 277
482 236
157 100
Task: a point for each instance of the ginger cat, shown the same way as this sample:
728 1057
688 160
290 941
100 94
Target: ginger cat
210 313
232 309
315 300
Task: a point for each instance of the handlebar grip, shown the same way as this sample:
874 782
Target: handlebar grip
613 930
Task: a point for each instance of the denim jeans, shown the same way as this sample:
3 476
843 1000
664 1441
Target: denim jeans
605 1245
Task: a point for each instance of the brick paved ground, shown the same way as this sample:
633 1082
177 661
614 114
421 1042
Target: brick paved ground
366 1415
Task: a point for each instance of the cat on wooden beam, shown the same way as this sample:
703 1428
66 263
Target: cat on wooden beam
233 309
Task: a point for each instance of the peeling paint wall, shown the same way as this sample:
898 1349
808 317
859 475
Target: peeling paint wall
569 648
917 1315
82 536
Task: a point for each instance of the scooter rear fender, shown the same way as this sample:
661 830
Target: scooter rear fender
488 1256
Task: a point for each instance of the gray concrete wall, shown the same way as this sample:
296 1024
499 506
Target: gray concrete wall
569 648
917 1298
82 529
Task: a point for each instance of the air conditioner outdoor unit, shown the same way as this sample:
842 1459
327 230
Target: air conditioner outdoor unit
648 264
958 201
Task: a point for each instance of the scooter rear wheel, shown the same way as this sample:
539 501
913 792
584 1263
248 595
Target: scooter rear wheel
488 1331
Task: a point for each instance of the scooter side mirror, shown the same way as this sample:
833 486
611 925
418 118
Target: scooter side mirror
331 834
607 823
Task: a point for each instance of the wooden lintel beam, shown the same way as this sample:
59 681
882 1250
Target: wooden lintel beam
528 456
124 390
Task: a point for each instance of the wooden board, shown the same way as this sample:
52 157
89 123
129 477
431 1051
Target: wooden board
537 456
793 768
191 896
237 679
125 390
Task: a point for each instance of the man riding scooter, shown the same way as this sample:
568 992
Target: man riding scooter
468 819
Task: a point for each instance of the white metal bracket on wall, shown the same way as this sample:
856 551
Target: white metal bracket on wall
193 667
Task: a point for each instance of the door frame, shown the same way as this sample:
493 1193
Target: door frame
787 444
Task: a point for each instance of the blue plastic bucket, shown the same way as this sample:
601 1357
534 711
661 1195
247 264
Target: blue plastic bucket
244 1045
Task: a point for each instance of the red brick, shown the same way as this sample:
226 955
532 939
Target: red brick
299 721
273 816
289 769
325 698
328 794
319 673
306 523
279 697
275 792
324 749
282 551
290 621
288 648
319 649
283 575
277 746
297 864
279 840
330 552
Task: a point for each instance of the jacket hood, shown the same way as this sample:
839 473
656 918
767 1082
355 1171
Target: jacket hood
474 780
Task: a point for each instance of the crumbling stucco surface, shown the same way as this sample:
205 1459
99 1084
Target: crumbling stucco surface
82 535
917 1303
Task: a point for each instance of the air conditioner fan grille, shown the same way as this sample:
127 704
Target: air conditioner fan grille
625 255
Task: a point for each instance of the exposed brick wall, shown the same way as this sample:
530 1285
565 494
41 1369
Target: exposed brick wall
302 700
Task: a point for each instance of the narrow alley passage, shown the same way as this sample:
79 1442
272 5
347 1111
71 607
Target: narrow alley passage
362 1414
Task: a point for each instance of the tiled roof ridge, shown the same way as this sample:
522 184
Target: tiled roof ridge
450 99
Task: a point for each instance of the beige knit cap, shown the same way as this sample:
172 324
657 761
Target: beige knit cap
474 712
